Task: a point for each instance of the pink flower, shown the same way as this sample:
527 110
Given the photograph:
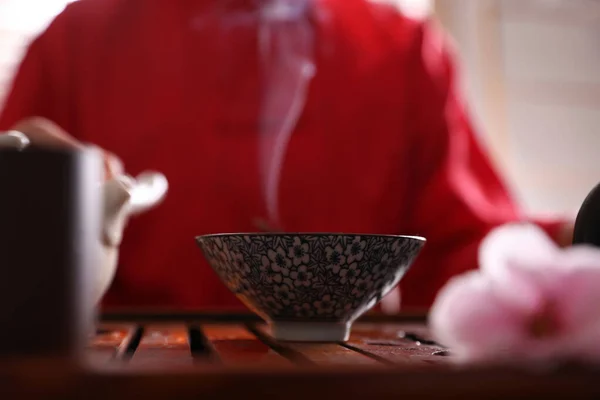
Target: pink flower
529 301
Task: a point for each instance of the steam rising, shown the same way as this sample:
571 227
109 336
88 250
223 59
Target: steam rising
286 50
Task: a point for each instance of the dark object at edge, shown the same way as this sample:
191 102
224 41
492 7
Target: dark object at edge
49 222
587 223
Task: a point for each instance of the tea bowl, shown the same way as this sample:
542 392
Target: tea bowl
310 286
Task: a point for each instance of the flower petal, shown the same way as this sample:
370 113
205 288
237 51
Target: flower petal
584 343
581 256
468 318
525 242
516 257
493 313
577 293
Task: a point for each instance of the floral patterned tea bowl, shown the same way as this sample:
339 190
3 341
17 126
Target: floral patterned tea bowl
312 286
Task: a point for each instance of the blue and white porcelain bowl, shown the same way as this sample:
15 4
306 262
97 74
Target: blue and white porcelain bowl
310 286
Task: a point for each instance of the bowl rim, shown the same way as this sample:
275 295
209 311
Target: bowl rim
254 234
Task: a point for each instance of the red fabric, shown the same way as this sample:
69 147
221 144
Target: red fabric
384 144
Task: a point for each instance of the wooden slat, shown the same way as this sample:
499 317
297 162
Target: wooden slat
30 380
390 330
419 330
108 342
398 344
163 347
332 354
326 354
236 345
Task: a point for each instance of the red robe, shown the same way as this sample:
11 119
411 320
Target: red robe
383 146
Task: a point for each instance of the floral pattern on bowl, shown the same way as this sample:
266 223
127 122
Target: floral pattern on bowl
316 278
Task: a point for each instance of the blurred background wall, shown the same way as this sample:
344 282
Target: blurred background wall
530 71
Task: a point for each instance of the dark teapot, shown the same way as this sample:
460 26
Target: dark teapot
587 223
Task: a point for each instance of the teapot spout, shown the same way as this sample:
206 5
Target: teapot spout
117 194
149 190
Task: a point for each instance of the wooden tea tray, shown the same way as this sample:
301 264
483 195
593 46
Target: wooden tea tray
194 356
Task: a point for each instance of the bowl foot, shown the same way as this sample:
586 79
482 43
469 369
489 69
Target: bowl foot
310 331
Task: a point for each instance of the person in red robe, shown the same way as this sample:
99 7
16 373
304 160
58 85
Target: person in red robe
328 116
